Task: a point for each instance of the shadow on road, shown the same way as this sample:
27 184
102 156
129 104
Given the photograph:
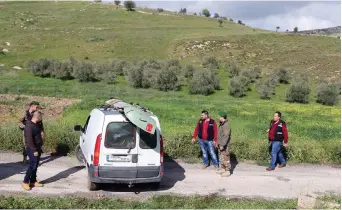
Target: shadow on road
62 175
173 173
10 169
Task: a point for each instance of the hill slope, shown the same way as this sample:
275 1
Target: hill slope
100 32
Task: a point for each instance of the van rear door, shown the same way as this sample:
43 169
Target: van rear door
119 151
149 162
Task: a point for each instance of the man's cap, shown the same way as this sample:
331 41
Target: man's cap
222 114
34 103
205 112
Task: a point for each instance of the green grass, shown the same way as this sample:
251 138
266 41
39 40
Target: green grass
62 29
158 202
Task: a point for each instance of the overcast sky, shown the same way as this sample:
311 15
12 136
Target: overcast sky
264 14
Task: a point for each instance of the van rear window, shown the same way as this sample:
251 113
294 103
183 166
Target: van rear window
147 140
120 135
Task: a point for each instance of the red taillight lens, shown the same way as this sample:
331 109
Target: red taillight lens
161 150
97 150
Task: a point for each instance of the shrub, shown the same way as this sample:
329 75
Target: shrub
240 22
216 15
189 71
117 3
117 67
109 77
206 12
327 94
155 64
182 11
130 5
43 67
232 69
266 88
220 21
202 83
167 80
299 91
160 10
237 86
284 76
295 29
252 73
134 76
149 78
210 62
224 18
66 69
84 72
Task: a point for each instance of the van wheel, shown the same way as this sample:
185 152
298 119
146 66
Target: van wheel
155 185
79 154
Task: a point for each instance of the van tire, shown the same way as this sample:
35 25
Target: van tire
155 185
91 185
79 155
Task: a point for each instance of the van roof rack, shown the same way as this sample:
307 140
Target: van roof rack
118 105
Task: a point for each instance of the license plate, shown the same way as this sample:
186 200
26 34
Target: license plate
113 158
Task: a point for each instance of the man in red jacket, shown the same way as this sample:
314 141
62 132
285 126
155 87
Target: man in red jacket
277 134
206 131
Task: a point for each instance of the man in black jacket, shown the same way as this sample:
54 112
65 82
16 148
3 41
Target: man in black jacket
27 116
33 145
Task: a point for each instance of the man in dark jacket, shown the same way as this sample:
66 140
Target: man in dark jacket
223 142
206 131
27 116
33 145
277 134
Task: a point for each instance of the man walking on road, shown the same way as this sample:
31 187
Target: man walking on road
206 131
27 116
223 141
33 145
277 134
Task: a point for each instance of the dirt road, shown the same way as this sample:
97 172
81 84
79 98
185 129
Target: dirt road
64 176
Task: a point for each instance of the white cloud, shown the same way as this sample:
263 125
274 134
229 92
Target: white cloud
311 16
266 15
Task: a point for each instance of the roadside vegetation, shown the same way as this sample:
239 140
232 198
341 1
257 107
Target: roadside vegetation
172 65
157 202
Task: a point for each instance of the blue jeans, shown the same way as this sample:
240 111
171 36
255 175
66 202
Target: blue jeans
205 145
31 173
276 154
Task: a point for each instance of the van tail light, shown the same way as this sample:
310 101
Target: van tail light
161 150
97 150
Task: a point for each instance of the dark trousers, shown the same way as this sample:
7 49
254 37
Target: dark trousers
24 153
31 173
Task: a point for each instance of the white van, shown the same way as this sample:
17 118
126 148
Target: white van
121 143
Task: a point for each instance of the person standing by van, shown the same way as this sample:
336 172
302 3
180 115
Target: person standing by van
223 141
27 116
277 134
33 145
206 131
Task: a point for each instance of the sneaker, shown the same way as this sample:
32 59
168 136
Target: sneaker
220 170
269 169
225 174
26 186
205 166
37 184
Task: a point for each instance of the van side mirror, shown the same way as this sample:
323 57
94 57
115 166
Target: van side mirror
78 128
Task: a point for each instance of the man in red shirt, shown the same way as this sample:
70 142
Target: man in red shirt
277 134
206 131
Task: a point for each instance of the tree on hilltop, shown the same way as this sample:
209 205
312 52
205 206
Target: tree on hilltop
130 5
206 12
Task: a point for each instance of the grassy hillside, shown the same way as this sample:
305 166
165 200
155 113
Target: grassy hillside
98 33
